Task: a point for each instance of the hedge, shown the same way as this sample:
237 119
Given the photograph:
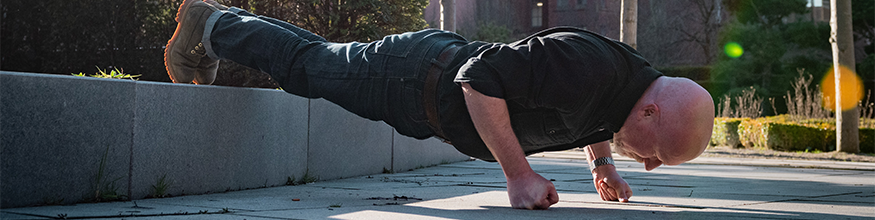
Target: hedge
725 132
783 133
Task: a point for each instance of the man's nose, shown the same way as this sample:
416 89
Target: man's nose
651 163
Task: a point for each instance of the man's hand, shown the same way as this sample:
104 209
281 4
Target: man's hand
531 191
525 188
610 185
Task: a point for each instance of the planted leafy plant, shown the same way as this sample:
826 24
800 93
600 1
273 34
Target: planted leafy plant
114 73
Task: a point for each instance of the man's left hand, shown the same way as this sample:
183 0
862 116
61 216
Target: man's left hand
610 185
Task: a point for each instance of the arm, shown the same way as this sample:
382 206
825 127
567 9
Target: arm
525 188
608 183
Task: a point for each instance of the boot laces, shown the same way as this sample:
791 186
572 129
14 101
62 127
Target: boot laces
199 50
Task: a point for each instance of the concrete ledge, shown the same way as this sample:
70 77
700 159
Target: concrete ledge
212 139
54 131
409 153
344 145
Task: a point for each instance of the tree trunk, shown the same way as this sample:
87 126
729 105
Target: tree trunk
629 22
448 15
847 121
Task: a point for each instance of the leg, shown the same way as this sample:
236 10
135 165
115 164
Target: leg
297 30
258 44
341 73
381 80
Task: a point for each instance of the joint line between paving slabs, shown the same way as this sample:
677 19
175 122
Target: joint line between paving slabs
638 204
796 199
133 140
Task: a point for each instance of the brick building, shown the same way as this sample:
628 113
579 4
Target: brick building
524 17
659 23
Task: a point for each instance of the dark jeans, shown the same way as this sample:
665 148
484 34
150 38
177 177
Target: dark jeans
381 80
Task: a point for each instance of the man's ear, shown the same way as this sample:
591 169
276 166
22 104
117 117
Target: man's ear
650 110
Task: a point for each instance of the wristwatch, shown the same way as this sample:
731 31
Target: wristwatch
600 161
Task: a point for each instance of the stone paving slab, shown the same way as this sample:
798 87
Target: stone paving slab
475 190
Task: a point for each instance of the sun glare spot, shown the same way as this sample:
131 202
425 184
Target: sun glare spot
733 50
851 89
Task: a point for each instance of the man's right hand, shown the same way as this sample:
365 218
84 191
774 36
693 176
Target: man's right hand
531 191
525 188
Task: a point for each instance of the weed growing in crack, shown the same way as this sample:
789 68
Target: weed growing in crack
103 188
291 181
307 178
159 189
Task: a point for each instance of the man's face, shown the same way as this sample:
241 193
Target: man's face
629 148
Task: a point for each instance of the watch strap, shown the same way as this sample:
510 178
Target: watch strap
599 162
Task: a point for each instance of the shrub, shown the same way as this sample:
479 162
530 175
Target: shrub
491 32
747 105
805 102
725 132
783 133
750 134
794 137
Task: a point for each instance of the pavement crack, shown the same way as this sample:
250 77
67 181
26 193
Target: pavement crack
125 214
478 185
396 198
672 186
453 175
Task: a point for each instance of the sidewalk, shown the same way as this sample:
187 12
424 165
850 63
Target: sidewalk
712 188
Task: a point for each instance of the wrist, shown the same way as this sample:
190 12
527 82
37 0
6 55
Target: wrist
518 174
600 162
604 169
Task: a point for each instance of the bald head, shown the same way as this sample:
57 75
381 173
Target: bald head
687 118
670 124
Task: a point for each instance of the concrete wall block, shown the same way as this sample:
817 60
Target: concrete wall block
343 144
213 139
409 153
55 131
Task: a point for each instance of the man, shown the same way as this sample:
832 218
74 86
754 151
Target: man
558 89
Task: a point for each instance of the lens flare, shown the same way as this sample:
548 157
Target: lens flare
851 89
733 50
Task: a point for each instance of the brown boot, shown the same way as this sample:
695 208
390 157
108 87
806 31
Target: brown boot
185 56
